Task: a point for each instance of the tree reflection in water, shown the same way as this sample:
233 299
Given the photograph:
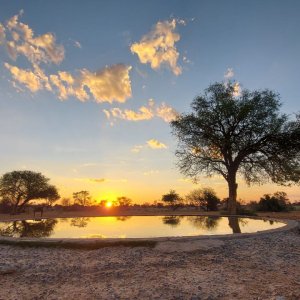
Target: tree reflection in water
202 222
36 229
80 222
173 221
233 222
123 218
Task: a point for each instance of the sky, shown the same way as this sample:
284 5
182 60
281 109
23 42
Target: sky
87 89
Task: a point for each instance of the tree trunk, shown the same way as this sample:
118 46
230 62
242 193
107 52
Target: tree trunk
232 188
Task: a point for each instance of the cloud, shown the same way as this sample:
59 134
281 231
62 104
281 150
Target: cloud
36 49
158 46
107 85
77 44
146 112
137 148
111 83
237 89
26 77
229 74
155 144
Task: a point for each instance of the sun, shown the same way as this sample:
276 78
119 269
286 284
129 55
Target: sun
108 204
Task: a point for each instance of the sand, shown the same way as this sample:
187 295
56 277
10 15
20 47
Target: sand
258 267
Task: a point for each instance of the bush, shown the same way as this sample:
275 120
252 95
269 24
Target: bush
277 202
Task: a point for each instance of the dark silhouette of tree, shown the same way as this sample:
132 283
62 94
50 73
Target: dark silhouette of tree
36 229
124 201
123 218
80 222
205 198
228 134
173 221
20 187
276 202
82 198
172 198
65 202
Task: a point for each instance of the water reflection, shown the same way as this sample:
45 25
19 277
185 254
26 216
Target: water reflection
233 222
201 222
173 221
123 218
36 229
135 226
80 222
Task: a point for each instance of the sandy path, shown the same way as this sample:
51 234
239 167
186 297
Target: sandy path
251 268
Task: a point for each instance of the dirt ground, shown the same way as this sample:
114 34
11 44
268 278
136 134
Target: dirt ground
258 267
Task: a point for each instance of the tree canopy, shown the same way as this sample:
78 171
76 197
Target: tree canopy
205 198
82 198
229 134
20 187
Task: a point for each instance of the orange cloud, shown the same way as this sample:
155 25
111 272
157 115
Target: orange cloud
158 47
147 112
155 144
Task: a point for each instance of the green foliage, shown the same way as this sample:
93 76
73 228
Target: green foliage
276 202
20 187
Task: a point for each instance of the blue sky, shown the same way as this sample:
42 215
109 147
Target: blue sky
67 135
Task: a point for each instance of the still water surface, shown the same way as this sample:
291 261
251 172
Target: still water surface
134 227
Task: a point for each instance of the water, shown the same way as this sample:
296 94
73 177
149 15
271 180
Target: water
134 227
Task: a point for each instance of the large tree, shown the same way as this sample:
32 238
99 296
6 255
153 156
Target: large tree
230 134
20 187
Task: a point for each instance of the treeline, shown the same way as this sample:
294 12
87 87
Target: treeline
23 189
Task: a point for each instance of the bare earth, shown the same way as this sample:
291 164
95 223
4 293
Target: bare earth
258 267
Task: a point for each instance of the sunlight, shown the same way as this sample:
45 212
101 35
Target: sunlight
108 204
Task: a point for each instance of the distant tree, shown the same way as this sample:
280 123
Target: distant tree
65 202
205 198
124 201
229 133
172 199
276 202
82 198
20 187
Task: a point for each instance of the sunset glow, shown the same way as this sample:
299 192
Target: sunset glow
89 106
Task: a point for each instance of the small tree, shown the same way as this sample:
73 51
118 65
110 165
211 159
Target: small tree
205 198
20 187
82 198
172 198
227 134
124 201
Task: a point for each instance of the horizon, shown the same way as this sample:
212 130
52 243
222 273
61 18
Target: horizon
87 92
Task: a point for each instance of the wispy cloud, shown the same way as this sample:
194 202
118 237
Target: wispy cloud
155 144
150 144
229 73
158 46
146 112
111 83
102 180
